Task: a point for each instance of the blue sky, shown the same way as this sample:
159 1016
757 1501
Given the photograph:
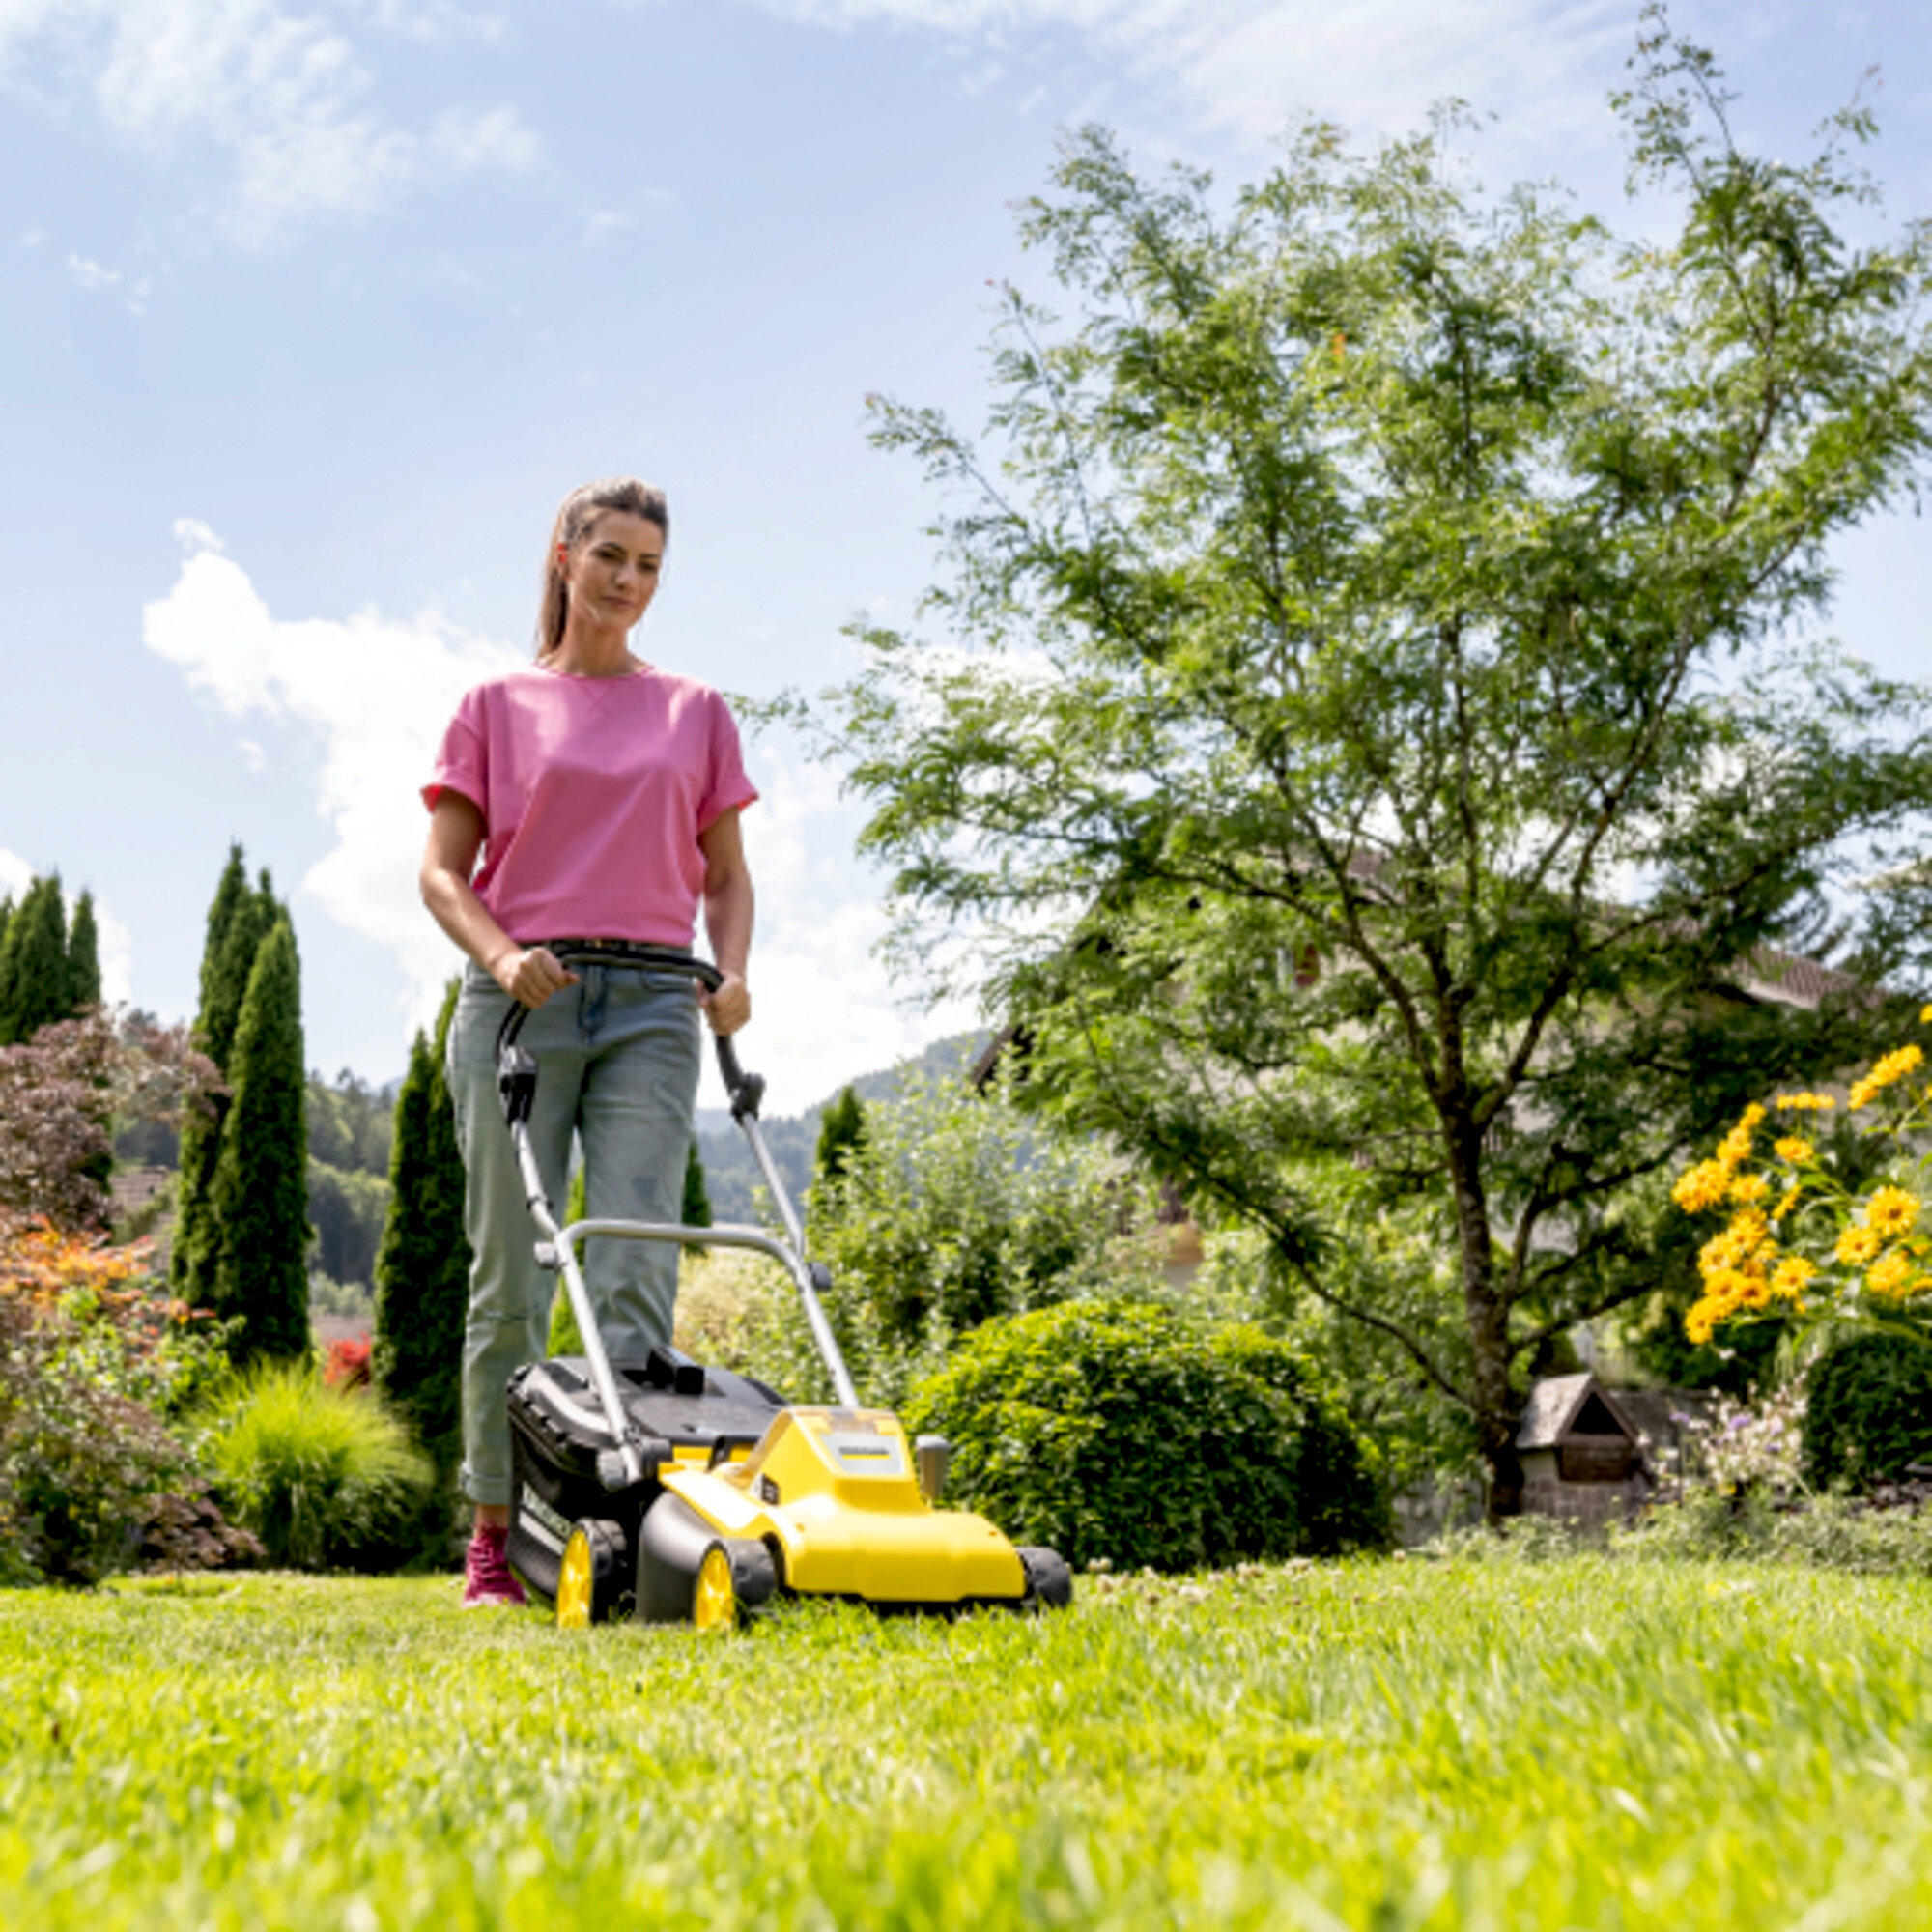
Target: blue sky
315 311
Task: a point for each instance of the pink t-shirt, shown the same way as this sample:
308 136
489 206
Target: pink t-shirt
593 791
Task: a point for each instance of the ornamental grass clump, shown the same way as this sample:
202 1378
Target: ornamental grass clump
324 1475
1799 1242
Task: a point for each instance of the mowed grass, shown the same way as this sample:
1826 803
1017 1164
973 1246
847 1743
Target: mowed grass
1383 1744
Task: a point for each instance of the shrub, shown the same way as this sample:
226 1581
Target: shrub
347 1365
1827 1532
93 1359
1869 1411
325 1476
81 1465
951 1207
1124 1432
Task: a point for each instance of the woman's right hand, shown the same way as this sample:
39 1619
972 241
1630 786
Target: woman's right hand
531 975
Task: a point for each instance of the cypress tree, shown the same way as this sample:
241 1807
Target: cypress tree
841 1133
83 957
696 1211
229 893
259 1195
33 964
422 1266
239 918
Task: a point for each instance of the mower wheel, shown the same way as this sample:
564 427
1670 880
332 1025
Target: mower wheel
593 1575
1049 1581
735 1576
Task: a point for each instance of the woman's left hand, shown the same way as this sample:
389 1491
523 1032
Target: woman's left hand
729 1007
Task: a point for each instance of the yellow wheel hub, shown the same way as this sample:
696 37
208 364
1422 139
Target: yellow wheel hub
715 1604
575 1582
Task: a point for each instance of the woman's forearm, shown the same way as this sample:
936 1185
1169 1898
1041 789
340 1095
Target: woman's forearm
453 904
728 908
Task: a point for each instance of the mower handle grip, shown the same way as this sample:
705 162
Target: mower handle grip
747 1090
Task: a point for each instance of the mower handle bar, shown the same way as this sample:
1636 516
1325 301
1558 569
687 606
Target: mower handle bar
516 1083
746 1089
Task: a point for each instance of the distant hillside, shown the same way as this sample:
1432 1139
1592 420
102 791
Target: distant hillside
729 1170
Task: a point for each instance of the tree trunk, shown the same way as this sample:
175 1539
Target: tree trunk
1487 1319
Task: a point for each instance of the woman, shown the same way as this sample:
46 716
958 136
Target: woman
602 796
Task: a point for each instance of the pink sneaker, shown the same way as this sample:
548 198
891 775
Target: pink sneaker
487 1576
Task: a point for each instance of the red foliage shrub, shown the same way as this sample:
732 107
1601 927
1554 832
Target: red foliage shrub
347 1363
60 1094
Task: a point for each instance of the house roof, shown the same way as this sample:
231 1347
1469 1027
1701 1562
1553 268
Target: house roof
1558 1403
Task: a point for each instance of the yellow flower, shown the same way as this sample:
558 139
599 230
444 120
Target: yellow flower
1806 1103
1702 1186
1749 1188
1894 1065
1925 1017
1792 1275
1736 1145
1863 1093
1888 1275
1858 1246
1786 1202
1793 1149
1698 1323
1891 1211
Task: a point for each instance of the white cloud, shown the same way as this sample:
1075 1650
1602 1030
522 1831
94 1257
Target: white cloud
92 276
100 281
116 950
602 224
1255 66
15 874
282 95
375 694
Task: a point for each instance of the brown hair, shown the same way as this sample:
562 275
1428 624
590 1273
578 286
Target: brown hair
580 509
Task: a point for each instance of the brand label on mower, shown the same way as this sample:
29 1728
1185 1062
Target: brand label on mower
534 1507
865 1455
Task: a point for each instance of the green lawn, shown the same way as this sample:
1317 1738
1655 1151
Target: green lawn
1375 1744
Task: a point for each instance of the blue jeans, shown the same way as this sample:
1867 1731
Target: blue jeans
616 1063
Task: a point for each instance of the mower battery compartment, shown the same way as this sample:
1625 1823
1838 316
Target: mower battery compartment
557 1431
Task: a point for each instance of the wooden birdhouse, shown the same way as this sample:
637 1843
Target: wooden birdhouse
1582 1459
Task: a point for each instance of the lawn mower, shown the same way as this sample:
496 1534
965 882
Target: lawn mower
675 1493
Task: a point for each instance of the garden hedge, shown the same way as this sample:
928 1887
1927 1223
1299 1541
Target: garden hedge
1868 1411
1125 1432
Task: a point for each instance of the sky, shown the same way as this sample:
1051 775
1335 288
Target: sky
317 309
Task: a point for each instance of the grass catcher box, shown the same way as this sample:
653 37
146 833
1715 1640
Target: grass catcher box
694 1415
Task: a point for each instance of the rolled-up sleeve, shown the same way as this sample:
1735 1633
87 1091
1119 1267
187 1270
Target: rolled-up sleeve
728 787
463 760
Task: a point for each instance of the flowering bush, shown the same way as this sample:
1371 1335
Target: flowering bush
93 1355
347 1363
1799 1242
1751 1445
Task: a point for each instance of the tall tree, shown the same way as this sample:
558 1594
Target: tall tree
259 1195
841 1135
695 1210
1386 624
423 1267
239 918
83 957
33 964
